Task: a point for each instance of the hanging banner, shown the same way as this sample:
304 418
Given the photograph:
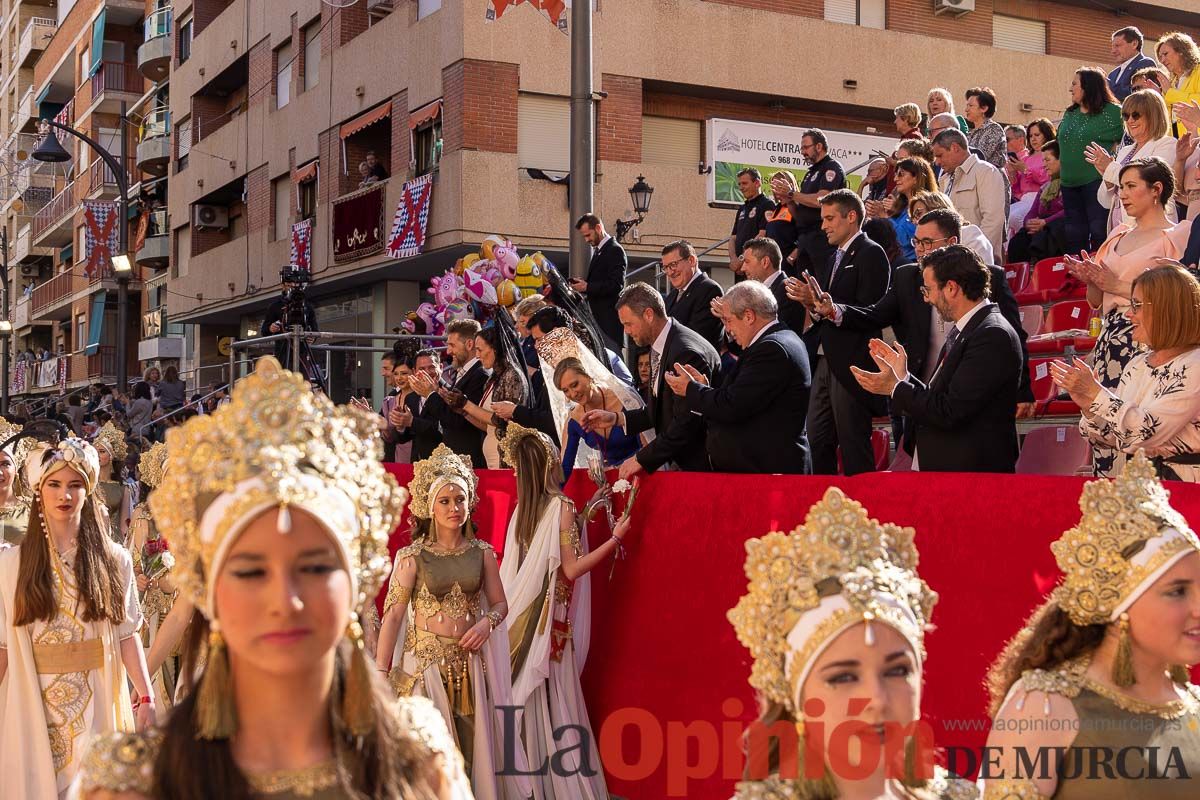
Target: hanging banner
358 224
62 373
734 145
554 10
302 244
101 237
18 379
412 218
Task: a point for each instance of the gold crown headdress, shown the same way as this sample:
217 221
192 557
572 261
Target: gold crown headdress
113 439
514 434
556 345
1128 536
807 586
151 465
19 452
443 467
44 460
276 444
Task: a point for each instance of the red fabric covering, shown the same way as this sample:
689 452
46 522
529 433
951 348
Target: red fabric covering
664 657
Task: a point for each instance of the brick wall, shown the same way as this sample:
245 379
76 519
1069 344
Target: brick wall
204 12
65 35
348 22
620 120
261 69
208 116
401 154
260 200
480 106
206 239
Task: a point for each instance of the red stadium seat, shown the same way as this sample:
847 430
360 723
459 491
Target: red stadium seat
1065 316
1054 450
881 446
1045 391
1031 319
1017 274
1051 282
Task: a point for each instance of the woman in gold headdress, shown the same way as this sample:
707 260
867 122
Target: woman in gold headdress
279 513
68 622
152 563
443 634
14 503
113 492
546 583
835 618
1099 667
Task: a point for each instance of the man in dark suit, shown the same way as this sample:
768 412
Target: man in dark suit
679 434
964 417
762 261
606 277
412 423
468 382
1127 52
756 417
918 325
692 292
857 274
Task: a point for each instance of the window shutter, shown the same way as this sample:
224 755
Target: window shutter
183 138
544 133
1014 33
676 142
841 11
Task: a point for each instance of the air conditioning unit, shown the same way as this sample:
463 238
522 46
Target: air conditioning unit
954 7
29 270
205 216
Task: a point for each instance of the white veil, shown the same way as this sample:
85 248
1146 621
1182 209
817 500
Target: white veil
562 343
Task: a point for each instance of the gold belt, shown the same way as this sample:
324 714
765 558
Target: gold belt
56 659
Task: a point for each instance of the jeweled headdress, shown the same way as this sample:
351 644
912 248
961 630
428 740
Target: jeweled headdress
276 445
514 434
151 465
19 452
556 345
442 468
1128 537
112 438
45 460
806 587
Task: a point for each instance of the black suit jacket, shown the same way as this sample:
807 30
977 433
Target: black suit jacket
756 418
679 434
693 308
862 279
791 313
905 310
457 431
605 279
966 417
538 414
424 432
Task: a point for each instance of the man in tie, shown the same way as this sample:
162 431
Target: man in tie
412 422
468 380
679 434
1127 52
691 291
858 273
964 417
756 417
762 261
606 277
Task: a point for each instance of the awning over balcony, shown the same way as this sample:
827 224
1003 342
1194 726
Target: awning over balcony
306 173
424 114
97 43
363 120
96 323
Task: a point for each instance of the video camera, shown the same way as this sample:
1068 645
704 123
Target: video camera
294 296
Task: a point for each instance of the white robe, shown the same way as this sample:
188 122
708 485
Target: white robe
79 705
548 690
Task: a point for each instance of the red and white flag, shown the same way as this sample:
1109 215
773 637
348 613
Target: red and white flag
412 218
302 244
554 10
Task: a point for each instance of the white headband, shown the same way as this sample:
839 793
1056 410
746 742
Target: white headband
1160 554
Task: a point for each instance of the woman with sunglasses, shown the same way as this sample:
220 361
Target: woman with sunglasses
1146 122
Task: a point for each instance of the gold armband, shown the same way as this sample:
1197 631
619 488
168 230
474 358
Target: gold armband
397 595
570 538
495 618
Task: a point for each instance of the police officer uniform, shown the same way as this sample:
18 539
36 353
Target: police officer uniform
812 246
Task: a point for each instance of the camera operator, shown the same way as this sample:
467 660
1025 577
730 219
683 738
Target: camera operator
291 308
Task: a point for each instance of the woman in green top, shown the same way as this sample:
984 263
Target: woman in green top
1093 116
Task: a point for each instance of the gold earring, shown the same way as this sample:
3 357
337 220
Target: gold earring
1122 668
358 711
215 714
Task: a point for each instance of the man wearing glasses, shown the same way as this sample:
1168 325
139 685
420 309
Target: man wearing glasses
692 292
917 325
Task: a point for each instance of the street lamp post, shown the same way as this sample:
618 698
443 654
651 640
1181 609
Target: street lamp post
640 194
50 150
6 328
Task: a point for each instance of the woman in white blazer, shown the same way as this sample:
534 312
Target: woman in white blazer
1146 123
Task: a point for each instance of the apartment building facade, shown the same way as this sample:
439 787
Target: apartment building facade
272 105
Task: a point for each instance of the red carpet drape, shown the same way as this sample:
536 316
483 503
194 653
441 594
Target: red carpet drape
666 680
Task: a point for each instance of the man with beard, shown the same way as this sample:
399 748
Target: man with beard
964 418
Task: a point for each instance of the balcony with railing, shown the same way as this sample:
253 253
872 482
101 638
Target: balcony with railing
102 362
154 56
156 249
52 222
34 38
26 114
52 300
102 180
113 82
23 249
154 150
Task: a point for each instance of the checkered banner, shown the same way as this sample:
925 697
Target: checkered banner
302 244
101 237
62 373
412 218
18 380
